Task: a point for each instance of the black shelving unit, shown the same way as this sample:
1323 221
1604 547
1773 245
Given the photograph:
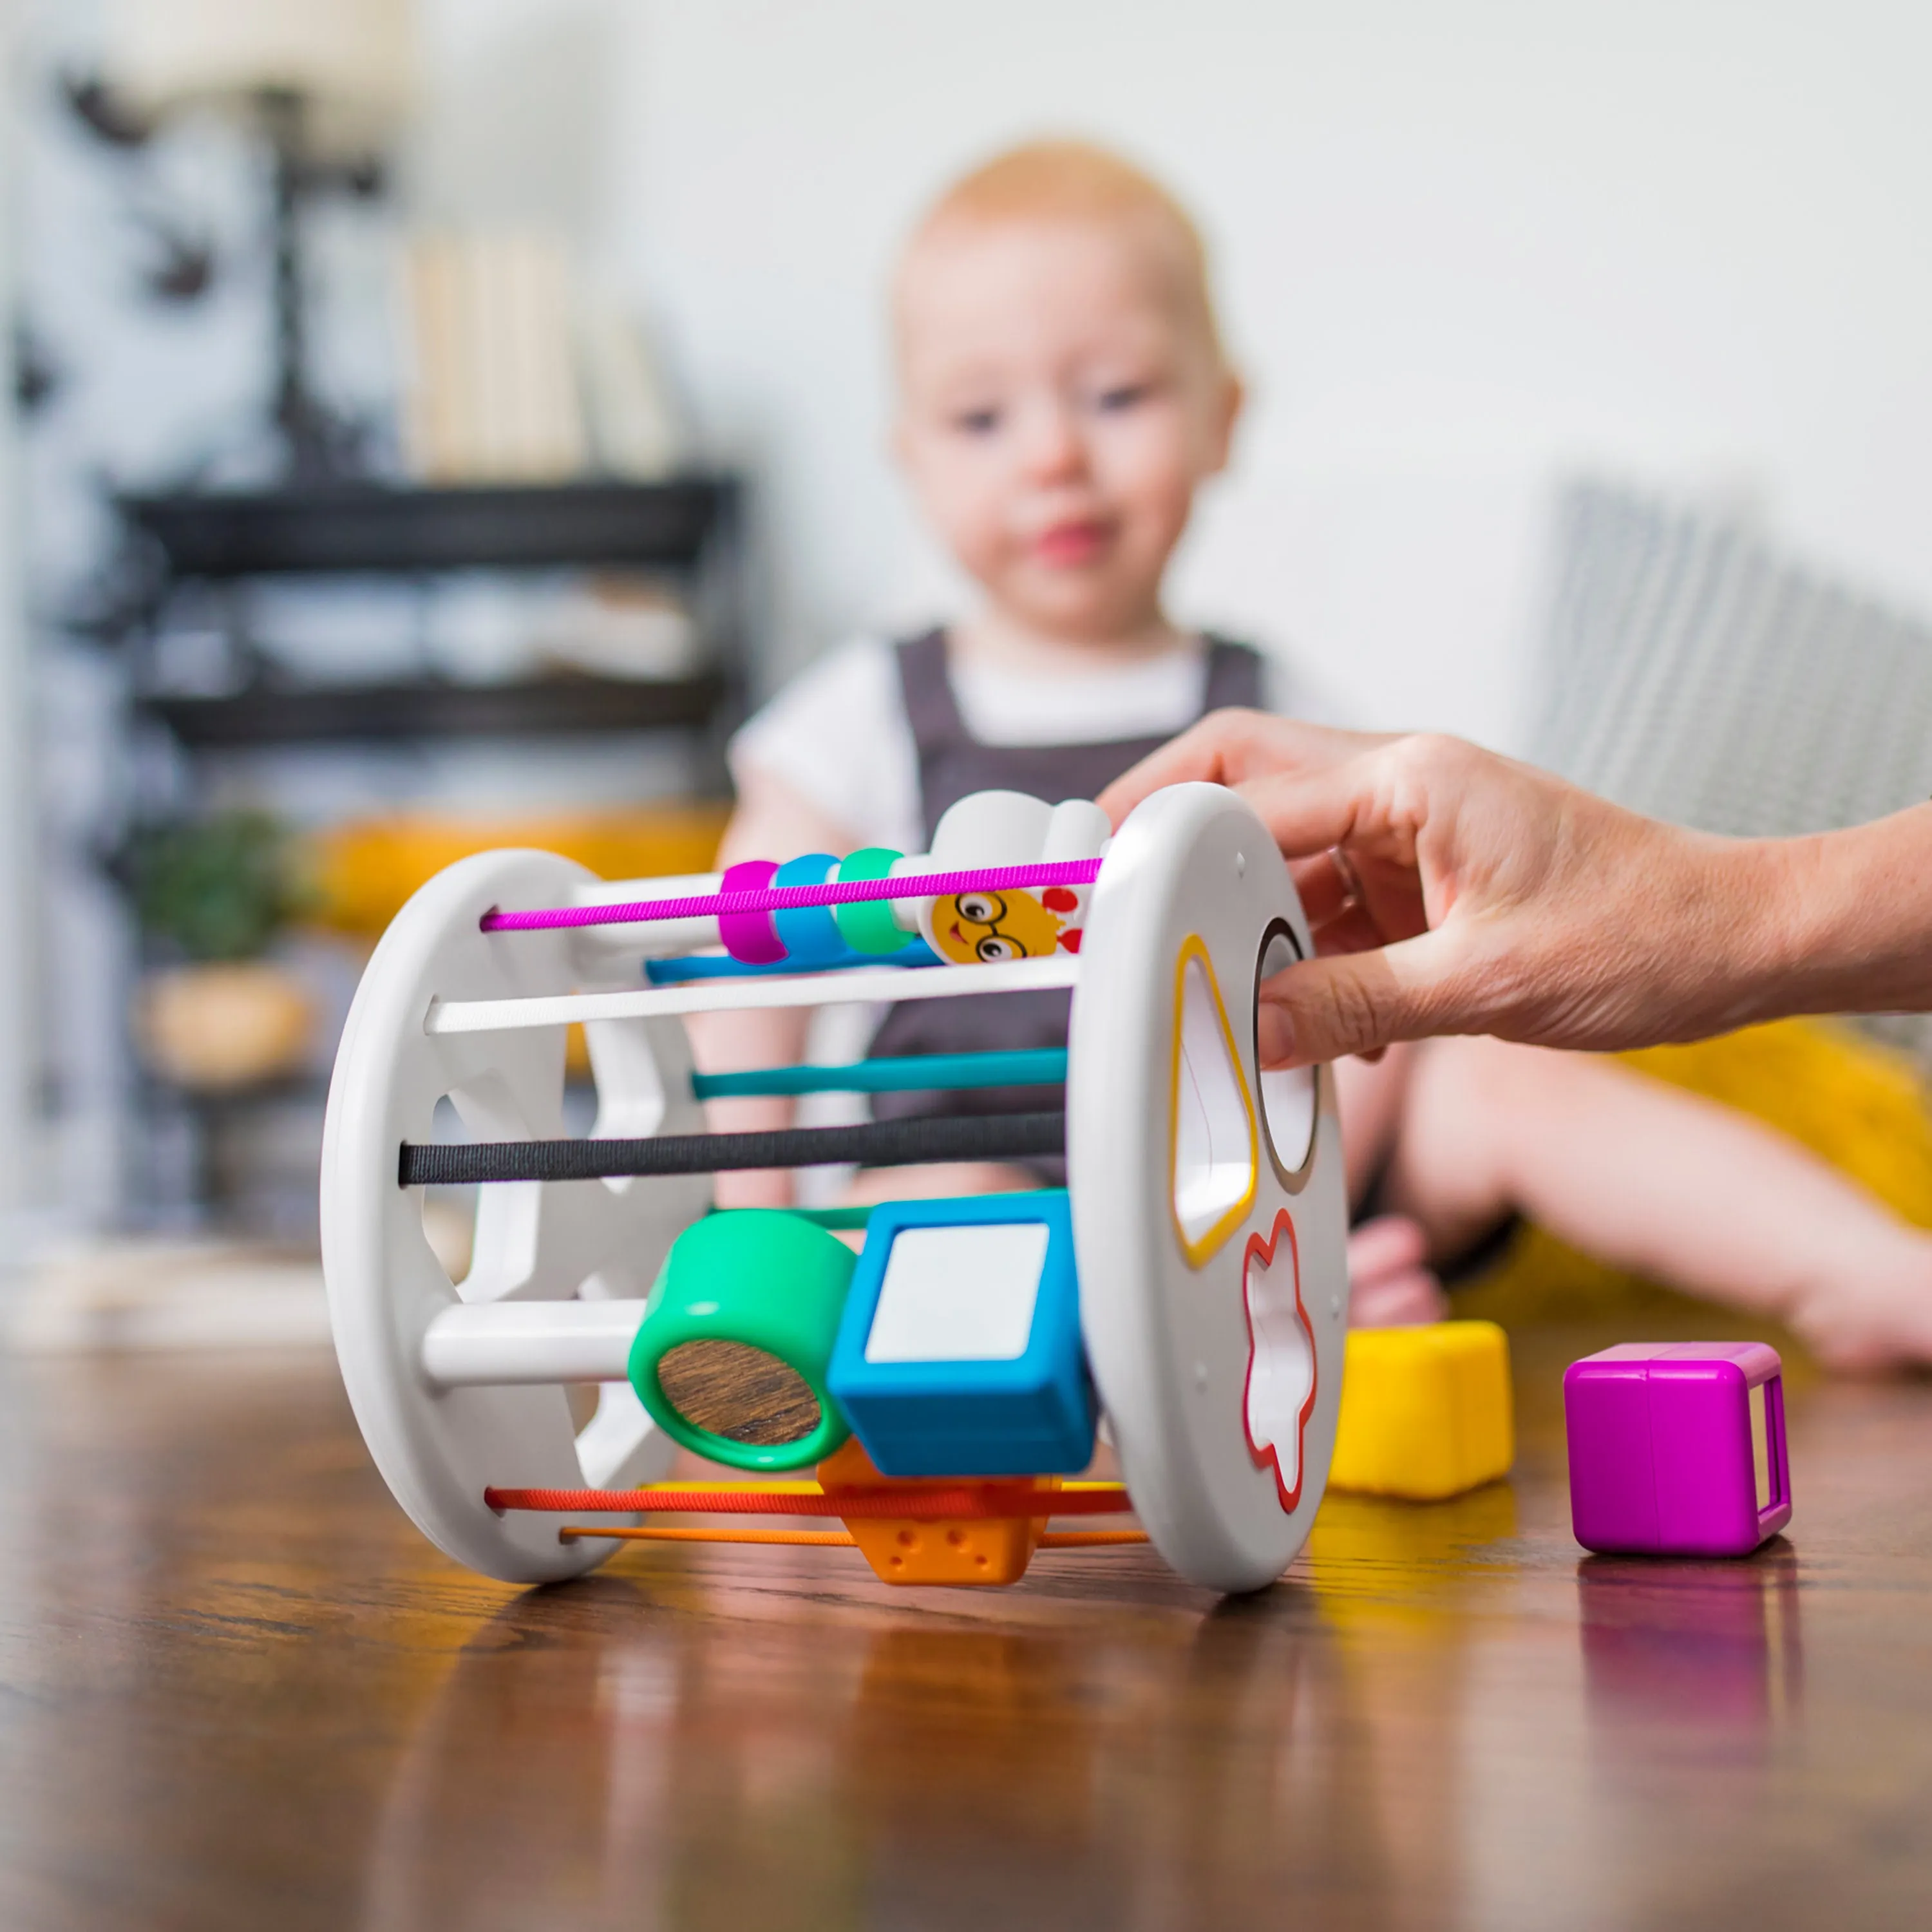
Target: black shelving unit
529 707
368 526
686 528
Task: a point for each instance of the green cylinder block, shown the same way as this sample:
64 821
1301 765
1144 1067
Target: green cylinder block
768 1280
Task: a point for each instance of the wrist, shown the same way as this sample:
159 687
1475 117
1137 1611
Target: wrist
1772 927
1840 921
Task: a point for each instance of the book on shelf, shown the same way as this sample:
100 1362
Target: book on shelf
516 376
493 385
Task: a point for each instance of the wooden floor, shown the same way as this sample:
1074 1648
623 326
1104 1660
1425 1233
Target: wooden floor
240 1691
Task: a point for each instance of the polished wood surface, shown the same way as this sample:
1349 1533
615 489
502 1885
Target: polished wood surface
240 1691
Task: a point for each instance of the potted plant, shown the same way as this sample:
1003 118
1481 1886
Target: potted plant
213 895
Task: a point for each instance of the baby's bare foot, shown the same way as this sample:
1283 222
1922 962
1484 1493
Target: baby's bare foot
1391 1285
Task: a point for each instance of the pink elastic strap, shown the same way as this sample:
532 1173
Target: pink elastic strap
750 937
730 903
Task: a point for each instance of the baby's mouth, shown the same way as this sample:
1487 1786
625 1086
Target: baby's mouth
1078 540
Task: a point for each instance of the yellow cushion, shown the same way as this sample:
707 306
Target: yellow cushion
1425 1412
364 870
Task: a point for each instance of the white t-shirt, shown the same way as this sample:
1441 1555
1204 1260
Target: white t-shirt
838 733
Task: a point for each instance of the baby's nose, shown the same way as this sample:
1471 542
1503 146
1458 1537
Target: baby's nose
1054 448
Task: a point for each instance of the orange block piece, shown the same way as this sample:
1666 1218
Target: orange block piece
901 1550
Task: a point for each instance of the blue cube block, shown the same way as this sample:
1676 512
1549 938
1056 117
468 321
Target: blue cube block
959 1352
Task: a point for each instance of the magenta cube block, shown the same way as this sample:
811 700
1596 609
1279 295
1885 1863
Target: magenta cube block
1661 1455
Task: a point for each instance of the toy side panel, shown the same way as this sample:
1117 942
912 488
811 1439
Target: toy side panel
437 1450
1175 1338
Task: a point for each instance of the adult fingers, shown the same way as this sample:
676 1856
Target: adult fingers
1326 1008
1228 748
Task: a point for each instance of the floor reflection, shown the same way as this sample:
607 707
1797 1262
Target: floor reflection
1717 1645
660 1768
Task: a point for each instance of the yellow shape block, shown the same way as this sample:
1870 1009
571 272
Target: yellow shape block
991 1549
1425 1412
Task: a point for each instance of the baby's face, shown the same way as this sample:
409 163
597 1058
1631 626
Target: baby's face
1059 405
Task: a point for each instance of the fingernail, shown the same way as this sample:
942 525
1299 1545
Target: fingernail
1274 1036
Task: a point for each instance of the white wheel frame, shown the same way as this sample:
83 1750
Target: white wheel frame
440 1445
1182 1344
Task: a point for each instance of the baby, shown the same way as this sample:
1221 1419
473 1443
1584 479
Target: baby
1062 394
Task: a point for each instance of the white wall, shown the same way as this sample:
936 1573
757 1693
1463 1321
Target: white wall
1462 244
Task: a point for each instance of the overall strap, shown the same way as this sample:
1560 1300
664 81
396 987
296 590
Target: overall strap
1234 676
930 709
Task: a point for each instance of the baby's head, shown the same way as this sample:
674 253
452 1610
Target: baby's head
1062 389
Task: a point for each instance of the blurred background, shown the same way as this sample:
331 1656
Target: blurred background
435 420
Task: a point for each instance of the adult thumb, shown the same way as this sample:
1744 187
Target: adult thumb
1352 1002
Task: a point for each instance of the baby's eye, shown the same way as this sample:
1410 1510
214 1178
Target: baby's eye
996 947
977 422
1122 397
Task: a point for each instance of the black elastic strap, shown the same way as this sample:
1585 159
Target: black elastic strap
876 1143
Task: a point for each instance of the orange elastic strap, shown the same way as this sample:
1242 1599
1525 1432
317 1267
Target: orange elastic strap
571 1532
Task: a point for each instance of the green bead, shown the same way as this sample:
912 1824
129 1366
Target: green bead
867 925
759 1276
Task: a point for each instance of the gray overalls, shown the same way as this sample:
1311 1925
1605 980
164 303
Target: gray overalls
953 763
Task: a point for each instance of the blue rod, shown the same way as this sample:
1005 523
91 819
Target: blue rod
676 972
1039 1066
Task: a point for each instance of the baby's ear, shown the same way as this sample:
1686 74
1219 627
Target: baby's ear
1228 404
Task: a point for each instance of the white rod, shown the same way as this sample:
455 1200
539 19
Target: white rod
502 1343
595 946
855 985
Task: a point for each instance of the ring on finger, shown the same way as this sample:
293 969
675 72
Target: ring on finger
1351 879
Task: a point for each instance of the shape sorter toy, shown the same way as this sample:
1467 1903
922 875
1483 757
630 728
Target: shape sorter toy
937 1394
1426 1410
1678 1448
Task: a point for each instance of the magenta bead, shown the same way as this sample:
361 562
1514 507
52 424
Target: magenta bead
750 937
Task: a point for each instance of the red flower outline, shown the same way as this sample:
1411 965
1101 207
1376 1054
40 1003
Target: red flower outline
1264 1458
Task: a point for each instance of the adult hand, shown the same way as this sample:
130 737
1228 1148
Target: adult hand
1475 895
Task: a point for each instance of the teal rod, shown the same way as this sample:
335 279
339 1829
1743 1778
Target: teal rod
841 1219
1041 1067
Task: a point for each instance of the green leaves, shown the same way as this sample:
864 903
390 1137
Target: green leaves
222 887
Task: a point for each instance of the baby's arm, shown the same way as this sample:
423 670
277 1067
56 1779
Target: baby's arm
1648 1177
773 820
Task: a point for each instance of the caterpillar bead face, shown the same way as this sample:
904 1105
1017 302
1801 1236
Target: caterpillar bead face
983 929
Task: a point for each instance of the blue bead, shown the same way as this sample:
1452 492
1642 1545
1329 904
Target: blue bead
808 934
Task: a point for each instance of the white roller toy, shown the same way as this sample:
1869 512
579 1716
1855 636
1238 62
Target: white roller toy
943 1383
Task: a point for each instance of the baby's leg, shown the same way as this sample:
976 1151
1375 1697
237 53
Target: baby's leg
1664 1183
1390 1284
